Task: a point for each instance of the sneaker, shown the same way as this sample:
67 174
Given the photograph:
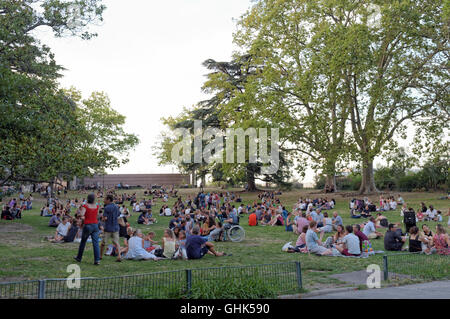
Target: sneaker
76 259
97 263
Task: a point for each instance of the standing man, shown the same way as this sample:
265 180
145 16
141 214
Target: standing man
111 216
89 214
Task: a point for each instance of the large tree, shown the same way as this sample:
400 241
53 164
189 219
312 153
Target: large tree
381 63
46 132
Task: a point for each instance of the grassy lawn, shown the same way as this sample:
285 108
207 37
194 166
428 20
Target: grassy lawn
25 255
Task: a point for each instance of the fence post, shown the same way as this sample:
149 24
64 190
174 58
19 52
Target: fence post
299 275
41 293
188 281
385 267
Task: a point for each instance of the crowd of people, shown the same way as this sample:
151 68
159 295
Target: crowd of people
13 208
198 221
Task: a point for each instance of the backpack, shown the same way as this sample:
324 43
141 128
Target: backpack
409 218
367 248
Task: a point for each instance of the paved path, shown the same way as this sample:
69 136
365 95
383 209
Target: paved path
430 290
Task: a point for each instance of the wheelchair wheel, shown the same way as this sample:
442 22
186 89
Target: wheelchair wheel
236 234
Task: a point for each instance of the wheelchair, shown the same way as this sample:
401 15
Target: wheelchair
233 232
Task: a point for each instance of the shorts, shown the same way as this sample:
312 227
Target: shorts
113 236
204 251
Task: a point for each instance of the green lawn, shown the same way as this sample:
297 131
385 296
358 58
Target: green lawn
25 255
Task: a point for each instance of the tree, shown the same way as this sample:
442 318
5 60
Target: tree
297 88
385 61
225 82
45 131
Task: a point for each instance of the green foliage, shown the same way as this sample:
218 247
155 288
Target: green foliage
47 132
351 182
342 77
242 288
408 183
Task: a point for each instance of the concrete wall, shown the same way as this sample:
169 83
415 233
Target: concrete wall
138 179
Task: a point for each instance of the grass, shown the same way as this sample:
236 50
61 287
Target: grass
24 255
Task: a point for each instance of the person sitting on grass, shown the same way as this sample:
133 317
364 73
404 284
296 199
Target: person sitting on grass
417 241
328 224
144 219
6 213
336 220
168 244
370 230
393 241
55 220
420 216
366 212
430 213
61 231
313 243
350 245
136 249
441 241
73 232
149 243
253 219
181 246
289 223
381 221
217 233
300 245
338 237
362 237
197 247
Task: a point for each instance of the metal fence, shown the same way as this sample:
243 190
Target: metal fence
278 278
416 266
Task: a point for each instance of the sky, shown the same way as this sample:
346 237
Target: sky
147 58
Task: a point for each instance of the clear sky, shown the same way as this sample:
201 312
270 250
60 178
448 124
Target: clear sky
148 58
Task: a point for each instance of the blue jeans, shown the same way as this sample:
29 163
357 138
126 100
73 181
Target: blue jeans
93 231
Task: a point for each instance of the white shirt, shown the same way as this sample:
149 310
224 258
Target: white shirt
431 213
63 229
369 228
168 211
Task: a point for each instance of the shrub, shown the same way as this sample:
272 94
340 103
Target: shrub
408 183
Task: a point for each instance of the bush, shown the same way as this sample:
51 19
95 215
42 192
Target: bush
252 288
408 183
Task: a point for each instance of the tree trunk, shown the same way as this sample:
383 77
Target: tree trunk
331 182
251 185
194 178
203 180
368 180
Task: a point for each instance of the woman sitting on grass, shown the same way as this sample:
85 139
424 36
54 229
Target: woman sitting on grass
168 244
417 242
300 245
441 241
289 223
61 231
136 249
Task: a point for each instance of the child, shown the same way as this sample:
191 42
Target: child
168 244
149 243
181 246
